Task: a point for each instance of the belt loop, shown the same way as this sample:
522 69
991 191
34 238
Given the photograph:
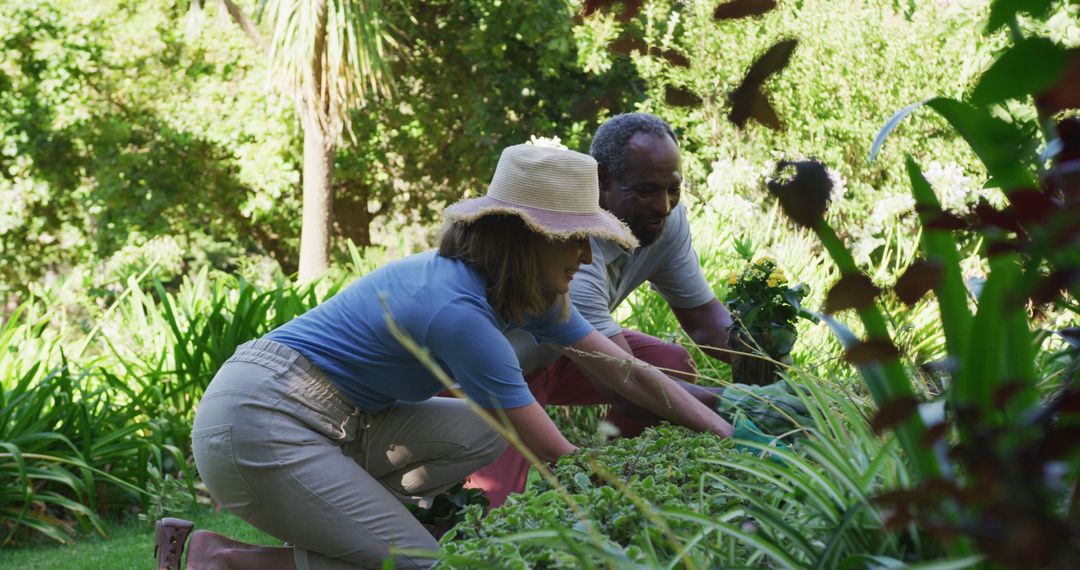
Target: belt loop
365 426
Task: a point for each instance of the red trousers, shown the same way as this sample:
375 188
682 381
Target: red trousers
562 383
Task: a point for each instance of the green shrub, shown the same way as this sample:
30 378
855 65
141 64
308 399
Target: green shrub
665 466
675 498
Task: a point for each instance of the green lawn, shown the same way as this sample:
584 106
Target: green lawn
130 545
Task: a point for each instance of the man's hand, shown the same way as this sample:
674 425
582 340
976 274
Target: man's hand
707 325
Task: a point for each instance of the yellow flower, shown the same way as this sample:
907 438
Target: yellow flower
732 279
772 282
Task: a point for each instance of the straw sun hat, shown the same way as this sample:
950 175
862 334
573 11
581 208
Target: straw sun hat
554 190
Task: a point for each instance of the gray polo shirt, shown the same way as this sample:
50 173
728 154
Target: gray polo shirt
670 265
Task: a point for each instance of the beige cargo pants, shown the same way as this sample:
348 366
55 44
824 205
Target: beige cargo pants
279 446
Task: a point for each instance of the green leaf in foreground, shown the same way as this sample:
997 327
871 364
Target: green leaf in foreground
1002 12
1029 67
998 143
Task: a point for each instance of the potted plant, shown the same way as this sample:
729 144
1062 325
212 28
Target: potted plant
764 311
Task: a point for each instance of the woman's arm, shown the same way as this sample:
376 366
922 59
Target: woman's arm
536 431
642 384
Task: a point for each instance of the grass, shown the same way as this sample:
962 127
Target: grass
130 544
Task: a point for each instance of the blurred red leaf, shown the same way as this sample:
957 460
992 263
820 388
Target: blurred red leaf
920 277
742 9
999 247
1069 132
1069 402
872 351
852 291
1029 205
894 413
748 100
630 7
746 105
989 216
588 106
944 221
1051 287
899 519
773 60
1004 393
1065 94
969 414
1061 440
592 6
627 43
899 498
803 189
680 97
935 432
671 56
941 487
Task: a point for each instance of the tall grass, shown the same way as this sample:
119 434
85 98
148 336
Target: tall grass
66 448
85 438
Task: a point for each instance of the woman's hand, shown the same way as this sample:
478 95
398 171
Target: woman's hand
536 430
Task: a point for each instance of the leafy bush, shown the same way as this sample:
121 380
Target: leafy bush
611 488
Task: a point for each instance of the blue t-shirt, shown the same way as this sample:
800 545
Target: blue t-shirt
441 304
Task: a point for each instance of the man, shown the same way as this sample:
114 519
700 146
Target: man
640 183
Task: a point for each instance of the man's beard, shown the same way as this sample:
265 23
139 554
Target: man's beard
645 234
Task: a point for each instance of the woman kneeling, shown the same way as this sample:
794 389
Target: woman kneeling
319 431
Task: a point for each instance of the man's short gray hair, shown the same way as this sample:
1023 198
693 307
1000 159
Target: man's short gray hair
609 143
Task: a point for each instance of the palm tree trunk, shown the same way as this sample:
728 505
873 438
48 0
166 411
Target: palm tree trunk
318 162
318 201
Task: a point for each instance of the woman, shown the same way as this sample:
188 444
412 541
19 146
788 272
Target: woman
317 432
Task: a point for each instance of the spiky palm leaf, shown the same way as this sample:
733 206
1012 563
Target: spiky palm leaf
329 55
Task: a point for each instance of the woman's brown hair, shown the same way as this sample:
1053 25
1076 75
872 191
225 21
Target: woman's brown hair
504 250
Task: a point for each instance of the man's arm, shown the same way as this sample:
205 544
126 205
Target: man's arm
707 326
642 384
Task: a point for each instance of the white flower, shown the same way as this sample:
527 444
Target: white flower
730 175
737 208
12 209
952 186
546 142
839 185
864 247
888 209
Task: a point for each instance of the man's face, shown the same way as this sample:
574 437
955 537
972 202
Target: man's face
649 188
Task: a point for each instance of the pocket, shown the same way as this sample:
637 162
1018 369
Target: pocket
215 460
320 413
